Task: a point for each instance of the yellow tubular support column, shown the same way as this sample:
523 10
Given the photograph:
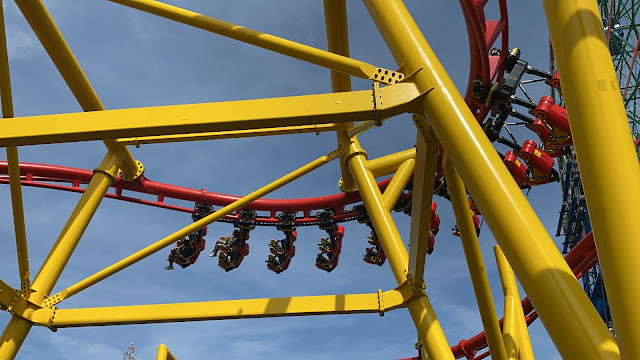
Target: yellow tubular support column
512 296
47 32
564 309
55 262
12 159
164 353
13 336
509 328
475 263
422 313
335 17
397 184
273 43
606 157
159 245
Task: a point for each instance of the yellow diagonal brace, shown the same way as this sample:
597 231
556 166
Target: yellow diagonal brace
517 325
47 32
286 47
388 164
197 118
475 263
164 353
228 309
159 245
12 159
426 161
397 184
228 134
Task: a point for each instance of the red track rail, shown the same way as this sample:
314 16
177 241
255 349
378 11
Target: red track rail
482 36
71 179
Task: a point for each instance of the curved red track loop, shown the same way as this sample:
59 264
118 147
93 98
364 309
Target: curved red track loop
482 37
71 179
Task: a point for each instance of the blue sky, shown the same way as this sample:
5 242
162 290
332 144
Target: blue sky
136 60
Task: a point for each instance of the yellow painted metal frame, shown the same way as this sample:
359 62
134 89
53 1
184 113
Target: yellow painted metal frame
441 118
164 353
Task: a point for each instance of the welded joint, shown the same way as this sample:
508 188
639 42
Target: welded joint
385 76
125 177
356 153
25 284
378 110
380 303
424 128
54 299
412 283
334 154
344 188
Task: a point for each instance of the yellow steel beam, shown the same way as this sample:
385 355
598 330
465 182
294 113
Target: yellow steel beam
12 159
557 296
47 32
398 183
55 262
388 164
286 130
229 309
426 162
159 245
197 118
13 336
336 25
611 177
517 324
269 42
164 353
475 263
422 313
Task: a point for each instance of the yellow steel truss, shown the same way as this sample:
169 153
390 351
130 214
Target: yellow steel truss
441 117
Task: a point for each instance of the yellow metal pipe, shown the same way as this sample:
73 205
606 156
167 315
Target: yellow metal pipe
510 288
269 42
229 309
13 336
47 32
66 243
159 245
164 353
419 306
336 25
475 263
388 164
12 158
509 328
422 197
557 296
194 118
283 130
397 184
607 159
